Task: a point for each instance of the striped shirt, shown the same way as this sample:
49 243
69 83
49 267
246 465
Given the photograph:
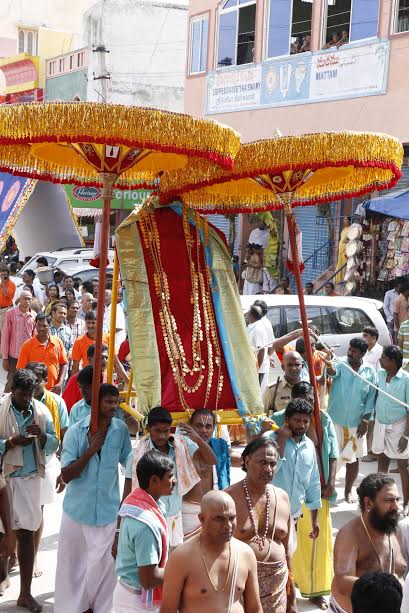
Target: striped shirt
65 335
18 327
403 339
77 328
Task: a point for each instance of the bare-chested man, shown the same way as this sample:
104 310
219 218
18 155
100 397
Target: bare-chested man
264 522
212 571
367 543
216 476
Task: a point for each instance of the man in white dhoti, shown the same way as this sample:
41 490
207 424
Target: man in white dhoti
143 538
59 414
27 436
213 571
391 432
85 576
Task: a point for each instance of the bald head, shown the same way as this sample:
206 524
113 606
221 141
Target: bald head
292 366
215 499
217 516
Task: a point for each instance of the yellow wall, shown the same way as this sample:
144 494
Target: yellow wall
51 43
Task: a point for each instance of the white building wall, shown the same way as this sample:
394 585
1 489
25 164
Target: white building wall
147 51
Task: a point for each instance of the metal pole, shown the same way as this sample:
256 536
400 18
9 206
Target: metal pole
112 323
108 180
286 200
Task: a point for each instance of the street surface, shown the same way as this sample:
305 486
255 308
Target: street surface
43 587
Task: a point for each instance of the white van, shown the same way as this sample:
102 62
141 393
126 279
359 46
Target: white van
338 318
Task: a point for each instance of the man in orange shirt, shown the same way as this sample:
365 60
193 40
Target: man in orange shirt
48 350
7 291
79 350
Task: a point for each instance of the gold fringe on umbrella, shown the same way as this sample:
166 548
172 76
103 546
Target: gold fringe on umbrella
329 166
143 128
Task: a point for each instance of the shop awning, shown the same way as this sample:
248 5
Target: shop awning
395 204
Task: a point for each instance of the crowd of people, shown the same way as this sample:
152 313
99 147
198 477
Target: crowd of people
181 536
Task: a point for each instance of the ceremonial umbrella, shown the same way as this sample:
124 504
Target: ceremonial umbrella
106 145
285 172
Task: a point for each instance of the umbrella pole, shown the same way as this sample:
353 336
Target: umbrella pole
108 179
112 323
286 200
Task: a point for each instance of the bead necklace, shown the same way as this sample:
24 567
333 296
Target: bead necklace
217 589
200 296
258 538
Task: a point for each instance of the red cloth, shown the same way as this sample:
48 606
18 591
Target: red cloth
72 393
175 263
124 350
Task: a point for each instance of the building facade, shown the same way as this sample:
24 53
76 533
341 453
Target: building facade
30 32
298 65
301 66
146 41
66 76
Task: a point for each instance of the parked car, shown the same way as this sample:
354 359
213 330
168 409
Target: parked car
64 259
338 318
87 273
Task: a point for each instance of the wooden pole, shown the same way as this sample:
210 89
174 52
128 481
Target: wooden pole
286 200
108 180
112 323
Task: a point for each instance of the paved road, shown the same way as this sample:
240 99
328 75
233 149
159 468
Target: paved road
43 587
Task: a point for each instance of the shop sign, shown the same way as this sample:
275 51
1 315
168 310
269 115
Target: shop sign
229 90
85 196
354 70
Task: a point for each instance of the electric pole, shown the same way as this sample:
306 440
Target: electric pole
102 75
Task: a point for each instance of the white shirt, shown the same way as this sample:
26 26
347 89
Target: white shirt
258 338
372 356
269 329
120 334
38 290
259 237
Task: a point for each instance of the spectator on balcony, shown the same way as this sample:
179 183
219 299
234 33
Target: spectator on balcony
344 40
306 43
333 42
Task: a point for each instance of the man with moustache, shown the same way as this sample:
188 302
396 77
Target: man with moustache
276 397
263 522
368 543
213 571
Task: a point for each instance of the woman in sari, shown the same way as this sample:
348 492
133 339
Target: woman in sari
342 247
53 294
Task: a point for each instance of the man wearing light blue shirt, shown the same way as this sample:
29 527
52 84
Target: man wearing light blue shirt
24 462
350 406
181 450
82 408
85 577
297 471
391 432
